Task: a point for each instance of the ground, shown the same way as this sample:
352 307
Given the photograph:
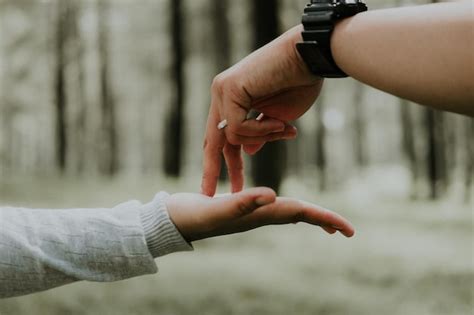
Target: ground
408 257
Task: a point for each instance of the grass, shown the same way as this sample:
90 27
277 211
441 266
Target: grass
406 258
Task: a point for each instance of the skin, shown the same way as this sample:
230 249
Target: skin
432 66
198 216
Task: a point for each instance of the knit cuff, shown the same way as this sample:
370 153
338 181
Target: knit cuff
161 234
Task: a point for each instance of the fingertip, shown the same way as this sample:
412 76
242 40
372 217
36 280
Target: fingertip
345 228
290 129
207 191
264 195
236 189
348 232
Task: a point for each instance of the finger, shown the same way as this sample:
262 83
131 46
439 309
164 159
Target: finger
211 169
328 229
213 146
288 134
252 149
235 166
253 128
238 205
287 210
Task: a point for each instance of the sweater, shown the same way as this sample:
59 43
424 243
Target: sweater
44 248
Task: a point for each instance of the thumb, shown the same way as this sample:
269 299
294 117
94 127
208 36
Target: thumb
242 203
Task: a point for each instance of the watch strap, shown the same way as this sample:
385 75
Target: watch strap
318 22
318 62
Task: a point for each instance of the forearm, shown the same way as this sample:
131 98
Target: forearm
423 53
42 249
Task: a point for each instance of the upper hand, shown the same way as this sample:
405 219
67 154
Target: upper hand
274 81
197 216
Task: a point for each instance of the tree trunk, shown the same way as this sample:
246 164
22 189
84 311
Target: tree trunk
79 131
268 164
109 154
321 158
436 155
359 135
60 86
173 135
221 34
408 143
469 160
220 26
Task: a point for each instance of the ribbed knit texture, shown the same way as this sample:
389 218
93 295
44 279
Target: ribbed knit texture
161 234
43 248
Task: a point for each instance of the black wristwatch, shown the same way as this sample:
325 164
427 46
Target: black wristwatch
318 21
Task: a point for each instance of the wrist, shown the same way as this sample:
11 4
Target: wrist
342 47
319 20
161 234
294 37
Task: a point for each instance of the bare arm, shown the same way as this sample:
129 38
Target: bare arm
423 53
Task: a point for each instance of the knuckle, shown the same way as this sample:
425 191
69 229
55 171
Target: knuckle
218 83
233 128
233 139
211 146
237 167
232 150
243 208
299 216
237 128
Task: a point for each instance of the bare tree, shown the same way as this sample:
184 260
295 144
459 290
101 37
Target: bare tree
436 153
76 46
69 88
109 154
220 26
268 164
408 143
62 31
469 160
321 154
359 135
173 135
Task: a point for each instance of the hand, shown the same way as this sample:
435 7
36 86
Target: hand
274 81
197 216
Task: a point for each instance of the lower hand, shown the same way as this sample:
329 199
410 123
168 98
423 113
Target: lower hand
197 216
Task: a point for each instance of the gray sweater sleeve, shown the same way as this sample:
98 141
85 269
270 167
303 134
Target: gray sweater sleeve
42 249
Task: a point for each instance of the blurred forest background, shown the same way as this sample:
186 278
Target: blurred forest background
102 100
